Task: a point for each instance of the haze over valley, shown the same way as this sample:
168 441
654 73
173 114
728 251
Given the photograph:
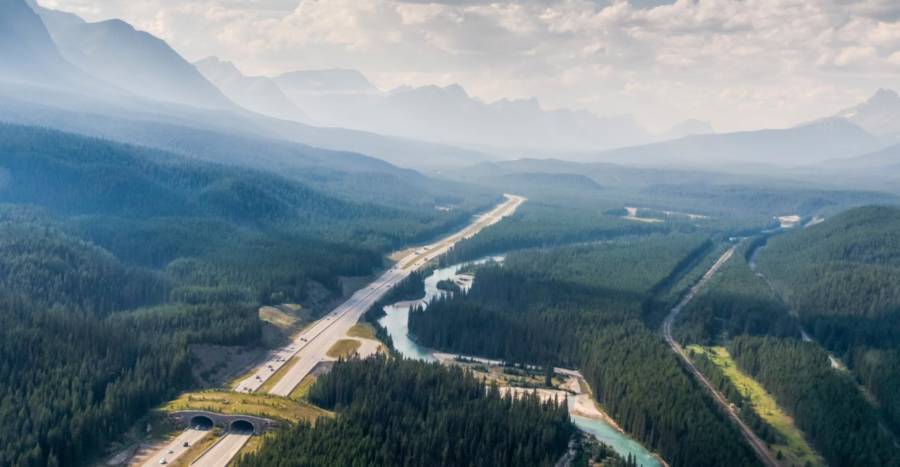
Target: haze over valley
610 233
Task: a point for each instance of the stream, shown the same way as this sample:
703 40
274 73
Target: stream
396 321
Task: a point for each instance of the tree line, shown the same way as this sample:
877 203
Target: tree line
581 307
843 278
825 404
397 412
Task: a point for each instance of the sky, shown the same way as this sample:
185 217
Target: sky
739 64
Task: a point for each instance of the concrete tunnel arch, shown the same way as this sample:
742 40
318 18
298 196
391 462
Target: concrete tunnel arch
202 422
242 426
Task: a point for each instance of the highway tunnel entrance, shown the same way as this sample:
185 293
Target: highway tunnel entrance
242 426
202 422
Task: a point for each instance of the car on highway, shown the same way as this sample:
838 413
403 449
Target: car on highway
185 444
163 461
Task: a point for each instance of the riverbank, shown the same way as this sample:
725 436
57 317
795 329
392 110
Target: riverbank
567 385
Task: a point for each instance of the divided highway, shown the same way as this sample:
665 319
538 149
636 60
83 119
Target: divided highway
309 348
758 445
176 448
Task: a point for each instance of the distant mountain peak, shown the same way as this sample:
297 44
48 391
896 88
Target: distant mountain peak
257 93
27 52
690 127
884 94
118 25
223 66
879 115
129 59
332 80
885 99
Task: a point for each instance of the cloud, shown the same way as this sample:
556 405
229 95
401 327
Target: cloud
738 63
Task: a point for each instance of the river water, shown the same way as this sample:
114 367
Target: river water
396 322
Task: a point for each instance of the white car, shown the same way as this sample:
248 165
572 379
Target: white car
163 461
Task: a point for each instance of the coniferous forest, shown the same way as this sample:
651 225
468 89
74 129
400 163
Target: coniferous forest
114 259
843 279
659 232
400 412
583 307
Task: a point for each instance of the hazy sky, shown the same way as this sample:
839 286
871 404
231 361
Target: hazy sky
738 63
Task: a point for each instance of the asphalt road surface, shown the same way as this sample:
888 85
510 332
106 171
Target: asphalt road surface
757 444
312 345
222 453
190 436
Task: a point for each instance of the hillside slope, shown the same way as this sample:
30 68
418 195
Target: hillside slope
843 278
132 60
807 144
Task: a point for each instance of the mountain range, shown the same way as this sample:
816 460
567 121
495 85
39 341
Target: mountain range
879 115
257 93
806 144
450 115
132 60
121 82
43 87
521 128
346 98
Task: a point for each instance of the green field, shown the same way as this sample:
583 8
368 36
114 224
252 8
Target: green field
302 390
796 451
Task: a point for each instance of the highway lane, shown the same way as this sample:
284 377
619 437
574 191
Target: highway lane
759 447
312 345
317 349
223 451
190 436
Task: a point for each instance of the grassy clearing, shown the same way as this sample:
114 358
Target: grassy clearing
289 318
796 451
363 331
276 377
263 405
276 317
302 390
253 445
344 348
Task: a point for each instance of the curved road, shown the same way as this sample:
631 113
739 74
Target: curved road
758 445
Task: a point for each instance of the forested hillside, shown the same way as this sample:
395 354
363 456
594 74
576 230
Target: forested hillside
825 404
216 230
72 380
843 278
114 259
396 412
544 224
735 302
582 307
